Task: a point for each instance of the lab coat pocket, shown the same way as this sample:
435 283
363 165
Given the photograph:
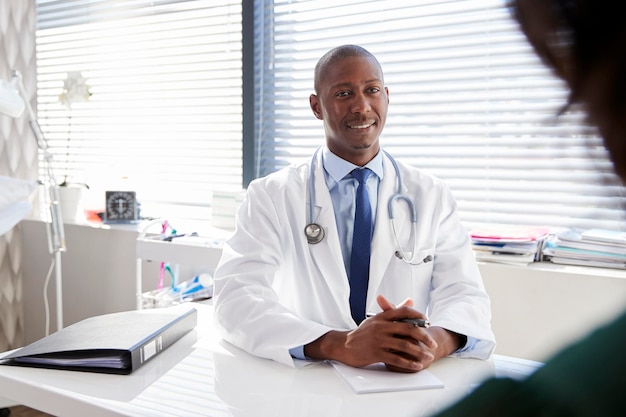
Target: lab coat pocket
409 280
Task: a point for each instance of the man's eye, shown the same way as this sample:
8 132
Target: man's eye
374 90
342 94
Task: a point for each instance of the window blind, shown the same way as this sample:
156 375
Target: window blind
469 102
165 114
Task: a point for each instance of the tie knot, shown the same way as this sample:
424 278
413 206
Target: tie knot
361 174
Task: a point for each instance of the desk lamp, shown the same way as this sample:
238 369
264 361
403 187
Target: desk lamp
13 101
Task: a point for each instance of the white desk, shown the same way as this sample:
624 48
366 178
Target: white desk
202 376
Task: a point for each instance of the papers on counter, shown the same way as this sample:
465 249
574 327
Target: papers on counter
605 236
508 244
595 247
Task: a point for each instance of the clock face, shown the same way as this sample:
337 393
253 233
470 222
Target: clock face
121 207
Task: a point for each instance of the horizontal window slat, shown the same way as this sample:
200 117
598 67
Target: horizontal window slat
469 102
165 117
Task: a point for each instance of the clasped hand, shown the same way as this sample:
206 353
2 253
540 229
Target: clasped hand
401 346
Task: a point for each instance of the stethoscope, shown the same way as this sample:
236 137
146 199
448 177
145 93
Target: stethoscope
315 233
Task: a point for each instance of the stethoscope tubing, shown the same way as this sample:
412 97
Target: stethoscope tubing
315 233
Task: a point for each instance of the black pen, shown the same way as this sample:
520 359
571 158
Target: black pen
417 322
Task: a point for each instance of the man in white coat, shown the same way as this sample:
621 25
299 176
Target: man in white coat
280 296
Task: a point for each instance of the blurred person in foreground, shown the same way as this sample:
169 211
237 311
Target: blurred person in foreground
584 42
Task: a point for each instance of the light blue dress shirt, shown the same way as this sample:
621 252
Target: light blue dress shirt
342 187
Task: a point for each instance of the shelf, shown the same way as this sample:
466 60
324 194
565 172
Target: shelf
187 251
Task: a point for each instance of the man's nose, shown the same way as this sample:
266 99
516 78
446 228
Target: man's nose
361 104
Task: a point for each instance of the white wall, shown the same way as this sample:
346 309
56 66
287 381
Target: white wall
98 274
536 310
539 309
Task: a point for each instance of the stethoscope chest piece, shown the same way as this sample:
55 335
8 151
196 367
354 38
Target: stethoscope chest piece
314 233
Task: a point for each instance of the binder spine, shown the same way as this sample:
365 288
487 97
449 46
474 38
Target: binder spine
163 340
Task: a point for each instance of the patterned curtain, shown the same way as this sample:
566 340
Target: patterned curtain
18 157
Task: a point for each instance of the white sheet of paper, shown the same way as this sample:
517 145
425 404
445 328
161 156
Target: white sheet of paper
377 378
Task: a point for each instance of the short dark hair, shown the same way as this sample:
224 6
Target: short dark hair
337 54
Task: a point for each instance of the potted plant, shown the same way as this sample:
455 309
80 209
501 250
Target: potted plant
75 90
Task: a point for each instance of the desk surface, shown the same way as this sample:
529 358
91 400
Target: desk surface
201 375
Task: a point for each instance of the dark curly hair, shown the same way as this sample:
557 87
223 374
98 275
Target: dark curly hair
584 42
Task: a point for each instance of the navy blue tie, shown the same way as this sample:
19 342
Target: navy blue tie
361 247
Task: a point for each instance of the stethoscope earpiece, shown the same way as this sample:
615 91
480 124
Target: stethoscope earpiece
427 259
314 233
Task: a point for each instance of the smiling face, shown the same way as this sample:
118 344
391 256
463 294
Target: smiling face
352 101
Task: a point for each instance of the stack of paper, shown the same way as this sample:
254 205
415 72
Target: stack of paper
594 247
508 244
377 378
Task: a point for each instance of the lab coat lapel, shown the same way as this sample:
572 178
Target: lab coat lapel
383 242
327 255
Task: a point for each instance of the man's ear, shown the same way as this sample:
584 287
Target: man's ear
314 102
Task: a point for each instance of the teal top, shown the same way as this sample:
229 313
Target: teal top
588 378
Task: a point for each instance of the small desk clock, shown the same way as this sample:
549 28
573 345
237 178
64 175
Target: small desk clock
121 207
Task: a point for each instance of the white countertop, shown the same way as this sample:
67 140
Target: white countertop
201 375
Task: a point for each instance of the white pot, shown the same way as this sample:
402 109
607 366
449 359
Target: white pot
69 200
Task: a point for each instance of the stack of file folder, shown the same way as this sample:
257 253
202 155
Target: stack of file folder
593 247
518 245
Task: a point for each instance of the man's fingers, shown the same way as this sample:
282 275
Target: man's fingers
383 303
406 303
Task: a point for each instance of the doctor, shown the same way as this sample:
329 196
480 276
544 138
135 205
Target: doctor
283 292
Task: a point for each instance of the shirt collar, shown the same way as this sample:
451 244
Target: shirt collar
338 168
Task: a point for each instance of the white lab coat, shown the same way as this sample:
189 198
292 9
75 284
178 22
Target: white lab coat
274 291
